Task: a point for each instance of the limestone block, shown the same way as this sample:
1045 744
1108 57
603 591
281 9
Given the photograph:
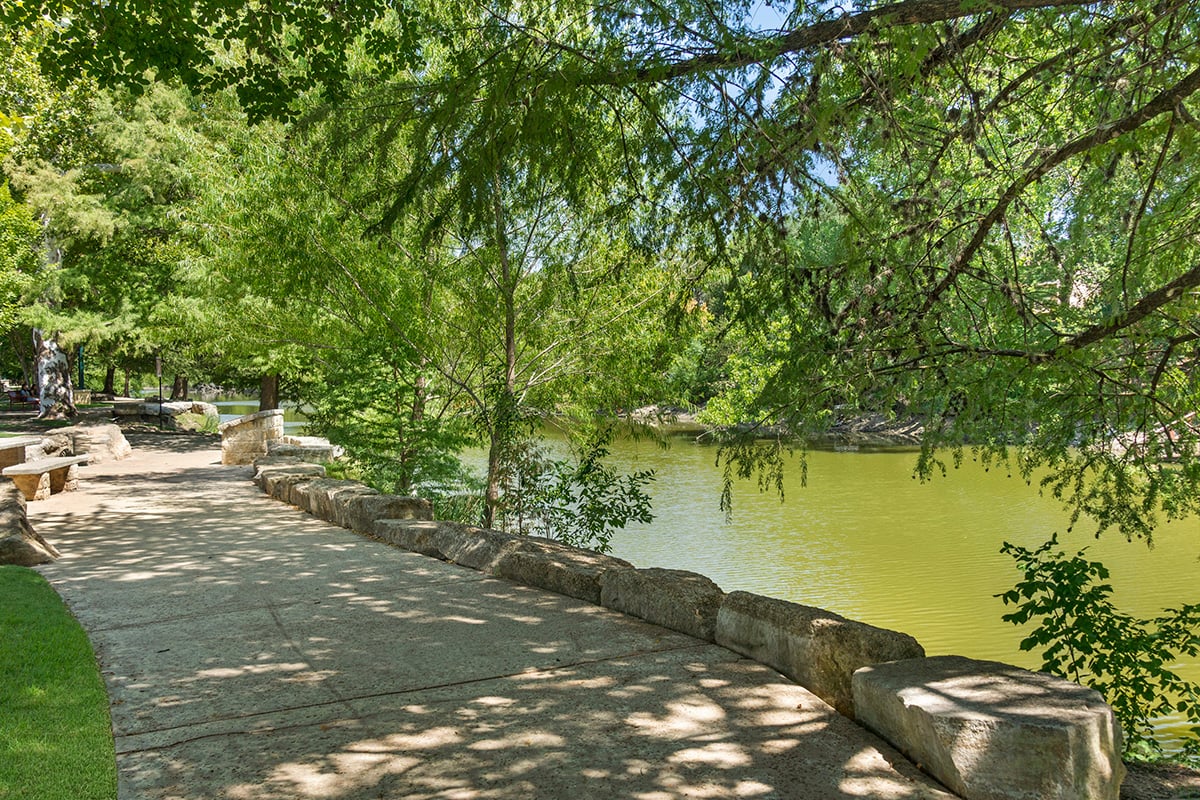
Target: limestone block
476 548
64 480
991 731
312 452
266 475
682 601
556 568
363 511
280 483
103 442
817 649
325 498
19 449
19 543
416 536
245 438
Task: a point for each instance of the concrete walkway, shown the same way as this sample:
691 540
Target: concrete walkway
252 652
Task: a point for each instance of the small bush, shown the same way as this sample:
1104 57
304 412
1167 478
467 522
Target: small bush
1086 639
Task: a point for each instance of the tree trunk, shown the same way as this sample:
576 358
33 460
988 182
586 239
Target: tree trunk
268 395
54 379
110 381
504 415
127 371
179 389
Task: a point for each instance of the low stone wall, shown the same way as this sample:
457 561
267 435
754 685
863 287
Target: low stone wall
247 438
165 414
19 543
988 731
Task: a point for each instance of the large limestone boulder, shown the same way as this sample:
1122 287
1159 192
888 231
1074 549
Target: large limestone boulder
991 731
556 567
306 448
363 512
817 649
682 601
104 442
20 544
475 548
326 498
416 536
278 480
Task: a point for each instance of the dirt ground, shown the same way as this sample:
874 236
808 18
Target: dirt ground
1160 782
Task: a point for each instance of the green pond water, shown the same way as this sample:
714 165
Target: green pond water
866 540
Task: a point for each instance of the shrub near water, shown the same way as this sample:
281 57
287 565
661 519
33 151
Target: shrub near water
1086 639
55 734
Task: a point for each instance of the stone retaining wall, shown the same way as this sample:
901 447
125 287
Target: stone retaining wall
247 438
988 731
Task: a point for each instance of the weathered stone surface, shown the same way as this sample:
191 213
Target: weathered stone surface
556 568
307 452
173 408
20 544
326 498
341 502
279 482
991 731
104 442
362 512
265 469
817 649
476 548
245 439
682 601
417 536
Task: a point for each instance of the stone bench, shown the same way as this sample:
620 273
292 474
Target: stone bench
12 449
37 480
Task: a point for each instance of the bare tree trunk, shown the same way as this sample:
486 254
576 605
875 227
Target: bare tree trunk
110 380
268 396
54 379
179 388
126 393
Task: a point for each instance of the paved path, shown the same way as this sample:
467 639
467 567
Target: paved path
253 652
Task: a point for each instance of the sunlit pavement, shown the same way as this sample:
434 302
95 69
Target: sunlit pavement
252 651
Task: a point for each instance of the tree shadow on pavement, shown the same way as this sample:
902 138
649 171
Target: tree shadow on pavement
252 651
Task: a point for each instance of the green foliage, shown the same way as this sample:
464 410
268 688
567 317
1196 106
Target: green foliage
396 438
1088 640
270 53
56 742
580 501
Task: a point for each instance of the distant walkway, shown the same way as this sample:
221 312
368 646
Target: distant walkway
252 652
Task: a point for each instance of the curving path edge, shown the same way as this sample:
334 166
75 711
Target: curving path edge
252 651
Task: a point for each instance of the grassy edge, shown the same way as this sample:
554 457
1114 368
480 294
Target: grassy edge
57 742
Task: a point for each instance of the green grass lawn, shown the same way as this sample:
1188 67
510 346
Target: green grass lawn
55 735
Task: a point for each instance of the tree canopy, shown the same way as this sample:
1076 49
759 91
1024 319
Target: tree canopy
980 214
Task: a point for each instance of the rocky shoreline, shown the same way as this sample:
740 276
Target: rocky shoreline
851 432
